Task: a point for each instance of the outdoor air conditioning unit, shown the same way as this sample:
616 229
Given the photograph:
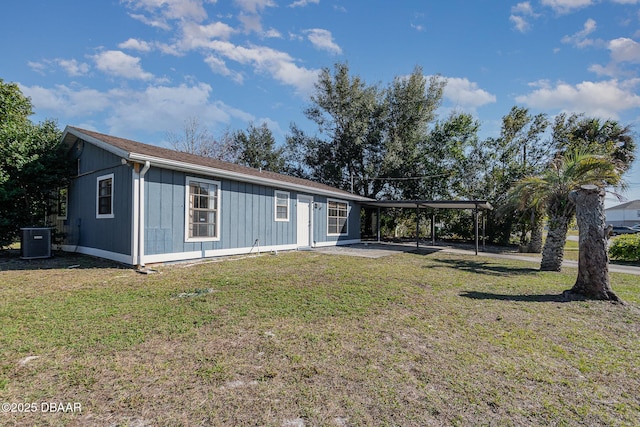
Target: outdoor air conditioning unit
35 243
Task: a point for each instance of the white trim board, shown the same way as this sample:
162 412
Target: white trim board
114 256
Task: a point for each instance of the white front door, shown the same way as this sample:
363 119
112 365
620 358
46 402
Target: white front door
304 221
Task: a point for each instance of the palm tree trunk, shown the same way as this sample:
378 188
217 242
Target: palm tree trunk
535 245
560 214
593 264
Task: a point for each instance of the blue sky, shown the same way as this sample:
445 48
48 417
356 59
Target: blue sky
139 68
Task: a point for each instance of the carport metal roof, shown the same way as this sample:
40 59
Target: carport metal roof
436 204
475 205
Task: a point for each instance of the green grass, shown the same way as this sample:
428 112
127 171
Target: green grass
409 339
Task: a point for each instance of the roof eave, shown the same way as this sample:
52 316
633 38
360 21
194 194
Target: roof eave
95 141
207 170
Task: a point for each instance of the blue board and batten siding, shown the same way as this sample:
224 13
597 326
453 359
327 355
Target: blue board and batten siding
82 230
247 214
247 219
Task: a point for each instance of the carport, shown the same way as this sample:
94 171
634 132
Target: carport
477 206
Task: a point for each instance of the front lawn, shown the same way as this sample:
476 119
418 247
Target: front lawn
308 339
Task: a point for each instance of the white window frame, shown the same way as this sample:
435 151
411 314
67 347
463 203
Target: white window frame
275 204
98 180
66 202
638 213
346 218
187 208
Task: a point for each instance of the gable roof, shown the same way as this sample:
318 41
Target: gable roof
176 160
634 204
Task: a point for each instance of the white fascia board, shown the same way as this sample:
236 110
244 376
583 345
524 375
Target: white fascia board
190 167
98 143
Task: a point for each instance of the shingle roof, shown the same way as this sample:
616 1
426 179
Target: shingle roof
634 204
136 149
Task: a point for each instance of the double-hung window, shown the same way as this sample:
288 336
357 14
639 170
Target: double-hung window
282 205
104 196
202 210
337 214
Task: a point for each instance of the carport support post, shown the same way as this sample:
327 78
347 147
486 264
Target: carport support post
475 217
378 224
484 229
433 228
417 226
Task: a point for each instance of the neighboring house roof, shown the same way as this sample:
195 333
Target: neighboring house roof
176 160
634 204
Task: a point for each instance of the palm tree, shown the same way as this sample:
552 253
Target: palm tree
551 189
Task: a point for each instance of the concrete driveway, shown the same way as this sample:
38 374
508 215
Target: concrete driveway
382 249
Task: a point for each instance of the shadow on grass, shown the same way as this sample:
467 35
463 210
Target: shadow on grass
10 261
484 267
505 297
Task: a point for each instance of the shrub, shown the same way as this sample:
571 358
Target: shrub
626 247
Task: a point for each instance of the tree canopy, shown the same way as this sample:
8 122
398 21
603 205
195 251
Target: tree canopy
370 140
33 164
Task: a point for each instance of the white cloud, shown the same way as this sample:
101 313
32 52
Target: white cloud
466 94
134 44
323 40
580 39
38 67
251 22
152 22
171 9
160 108
303 3
272 34
523 8
73 67
196 36
254 6
624 50
218 66
273 62
120 64
566 6
153 109
67 102
520 23
606 99
520 14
